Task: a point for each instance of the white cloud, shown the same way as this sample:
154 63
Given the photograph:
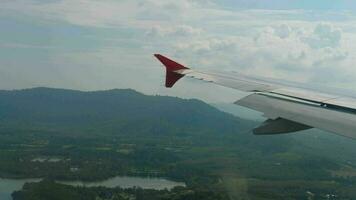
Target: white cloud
282 31
324 35
287 44
103 13
174 31
277 51
79 12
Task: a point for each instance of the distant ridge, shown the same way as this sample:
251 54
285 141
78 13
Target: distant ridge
48 89
115 110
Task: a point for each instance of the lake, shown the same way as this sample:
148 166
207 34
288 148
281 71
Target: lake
129 182
7 186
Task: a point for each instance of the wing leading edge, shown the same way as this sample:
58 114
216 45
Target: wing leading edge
287 107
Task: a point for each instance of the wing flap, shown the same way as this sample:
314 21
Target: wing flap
309 114
279 126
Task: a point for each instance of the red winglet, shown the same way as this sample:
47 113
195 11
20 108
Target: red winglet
171 66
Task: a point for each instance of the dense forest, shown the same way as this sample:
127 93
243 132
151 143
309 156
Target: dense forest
97 135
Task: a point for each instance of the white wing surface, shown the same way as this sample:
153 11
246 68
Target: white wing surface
287 107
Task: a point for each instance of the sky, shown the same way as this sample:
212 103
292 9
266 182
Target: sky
106 44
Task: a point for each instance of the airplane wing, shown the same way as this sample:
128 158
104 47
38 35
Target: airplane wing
287 107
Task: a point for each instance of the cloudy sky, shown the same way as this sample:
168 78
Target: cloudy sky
105 44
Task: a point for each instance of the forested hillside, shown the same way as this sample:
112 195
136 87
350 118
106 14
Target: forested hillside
117 111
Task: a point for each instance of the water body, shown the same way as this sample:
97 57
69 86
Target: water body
7 186
129 182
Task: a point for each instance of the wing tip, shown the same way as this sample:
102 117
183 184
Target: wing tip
171 66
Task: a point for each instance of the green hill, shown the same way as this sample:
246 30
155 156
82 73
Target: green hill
115 110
